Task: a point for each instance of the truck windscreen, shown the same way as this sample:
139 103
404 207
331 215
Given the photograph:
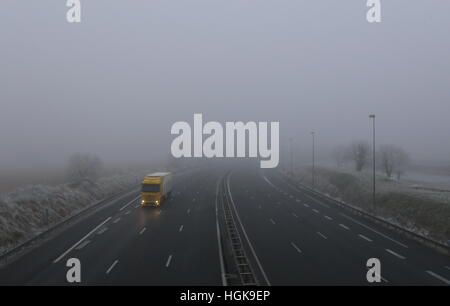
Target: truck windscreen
150 188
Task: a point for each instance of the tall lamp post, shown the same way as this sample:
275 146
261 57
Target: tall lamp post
313 158
291 158
372 116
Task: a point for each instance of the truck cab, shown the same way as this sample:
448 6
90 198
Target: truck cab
155 188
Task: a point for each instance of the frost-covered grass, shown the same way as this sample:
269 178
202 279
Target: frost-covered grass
29 210
421 211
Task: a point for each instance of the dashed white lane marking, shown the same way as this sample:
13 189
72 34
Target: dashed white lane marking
295 215
117 220
189 211
169 259
233 206
127 212
259 207
81 240
291 196
193 200
102 231
296 247
112 267
82 245
142 231
271 220
442 279
343 226
316 211
181 228
306 205
329 218
383 279
447 267
322 235
375 231
310 197
365 238
136 206
123 207
297 200
395 254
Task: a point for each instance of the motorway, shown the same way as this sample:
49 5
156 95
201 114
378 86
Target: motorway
291 237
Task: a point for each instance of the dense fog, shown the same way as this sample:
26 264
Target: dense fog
114 84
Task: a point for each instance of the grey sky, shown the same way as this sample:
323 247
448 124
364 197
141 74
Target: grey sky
117 81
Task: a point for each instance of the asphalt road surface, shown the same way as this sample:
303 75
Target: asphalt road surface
295 238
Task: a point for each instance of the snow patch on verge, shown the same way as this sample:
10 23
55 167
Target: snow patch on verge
30 210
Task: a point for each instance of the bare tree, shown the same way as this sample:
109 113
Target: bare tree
359 153
84 167
340 155
393 160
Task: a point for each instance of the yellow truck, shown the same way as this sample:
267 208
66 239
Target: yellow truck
156 187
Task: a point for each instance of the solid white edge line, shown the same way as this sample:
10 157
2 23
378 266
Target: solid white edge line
359 223
375 231
245 233
80 241
222 264
129 203
446 281
296 189
307 195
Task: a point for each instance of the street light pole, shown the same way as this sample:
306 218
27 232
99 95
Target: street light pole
292 157
313 158
372 116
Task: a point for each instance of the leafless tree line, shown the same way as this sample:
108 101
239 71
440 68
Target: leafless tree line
391 159
84 167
